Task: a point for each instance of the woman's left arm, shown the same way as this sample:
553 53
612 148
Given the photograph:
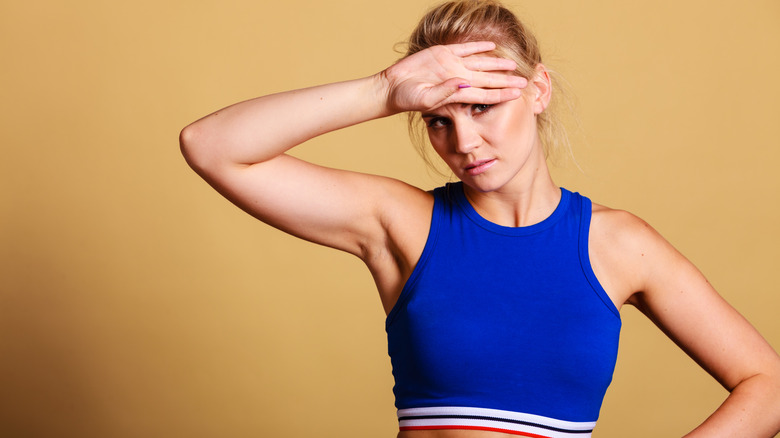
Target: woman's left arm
674 294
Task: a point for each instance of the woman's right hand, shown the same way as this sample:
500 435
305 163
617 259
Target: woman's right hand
454 73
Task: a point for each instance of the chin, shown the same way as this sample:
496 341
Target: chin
482 185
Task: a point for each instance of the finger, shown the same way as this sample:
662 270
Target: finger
474 95
497 80
443 93
488 63
470 48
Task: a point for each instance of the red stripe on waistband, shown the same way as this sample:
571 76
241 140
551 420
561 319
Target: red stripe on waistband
489 429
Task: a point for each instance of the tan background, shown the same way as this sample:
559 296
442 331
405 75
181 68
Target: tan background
134 301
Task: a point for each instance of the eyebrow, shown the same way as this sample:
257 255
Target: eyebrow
429 115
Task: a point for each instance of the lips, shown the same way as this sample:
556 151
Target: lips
480 166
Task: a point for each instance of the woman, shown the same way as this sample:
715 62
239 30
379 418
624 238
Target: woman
503 290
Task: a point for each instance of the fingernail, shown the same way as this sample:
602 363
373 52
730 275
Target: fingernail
464 86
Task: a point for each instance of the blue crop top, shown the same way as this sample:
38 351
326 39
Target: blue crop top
501 328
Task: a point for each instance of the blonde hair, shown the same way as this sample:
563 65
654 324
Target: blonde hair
462 21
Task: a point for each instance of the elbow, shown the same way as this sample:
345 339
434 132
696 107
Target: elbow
193 147
187 140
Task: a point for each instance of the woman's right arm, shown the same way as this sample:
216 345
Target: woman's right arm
240 149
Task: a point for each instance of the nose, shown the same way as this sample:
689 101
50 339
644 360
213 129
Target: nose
466 137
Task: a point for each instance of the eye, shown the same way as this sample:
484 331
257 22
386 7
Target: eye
437 122
481 108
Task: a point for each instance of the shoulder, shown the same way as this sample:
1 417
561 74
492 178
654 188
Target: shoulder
626 252
404 213
620 226
404 206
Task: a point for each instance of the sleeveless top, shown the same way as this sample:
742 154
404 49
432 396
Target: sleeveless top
503 328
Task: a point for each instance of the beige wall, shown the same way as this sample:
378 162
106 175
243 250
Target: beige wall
134 301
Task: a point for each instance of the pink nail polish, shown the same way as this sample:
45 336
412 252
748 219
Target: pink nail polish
464 86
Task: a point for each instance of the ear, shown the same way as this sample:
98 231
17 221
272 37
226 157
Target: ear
542 91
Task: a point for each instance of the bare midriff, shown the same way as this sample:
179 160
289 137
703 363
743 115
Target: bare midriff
452 433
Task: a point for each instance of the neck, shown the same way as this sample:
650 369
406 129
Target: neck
527 200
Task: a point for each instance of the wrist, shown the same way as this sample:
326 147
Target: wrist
381 89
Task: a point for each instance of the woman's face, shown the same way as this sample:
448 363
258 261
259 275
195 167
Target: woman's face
488 147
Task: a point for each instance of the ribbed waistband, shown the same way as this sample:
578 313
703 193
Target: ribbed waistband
515 423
